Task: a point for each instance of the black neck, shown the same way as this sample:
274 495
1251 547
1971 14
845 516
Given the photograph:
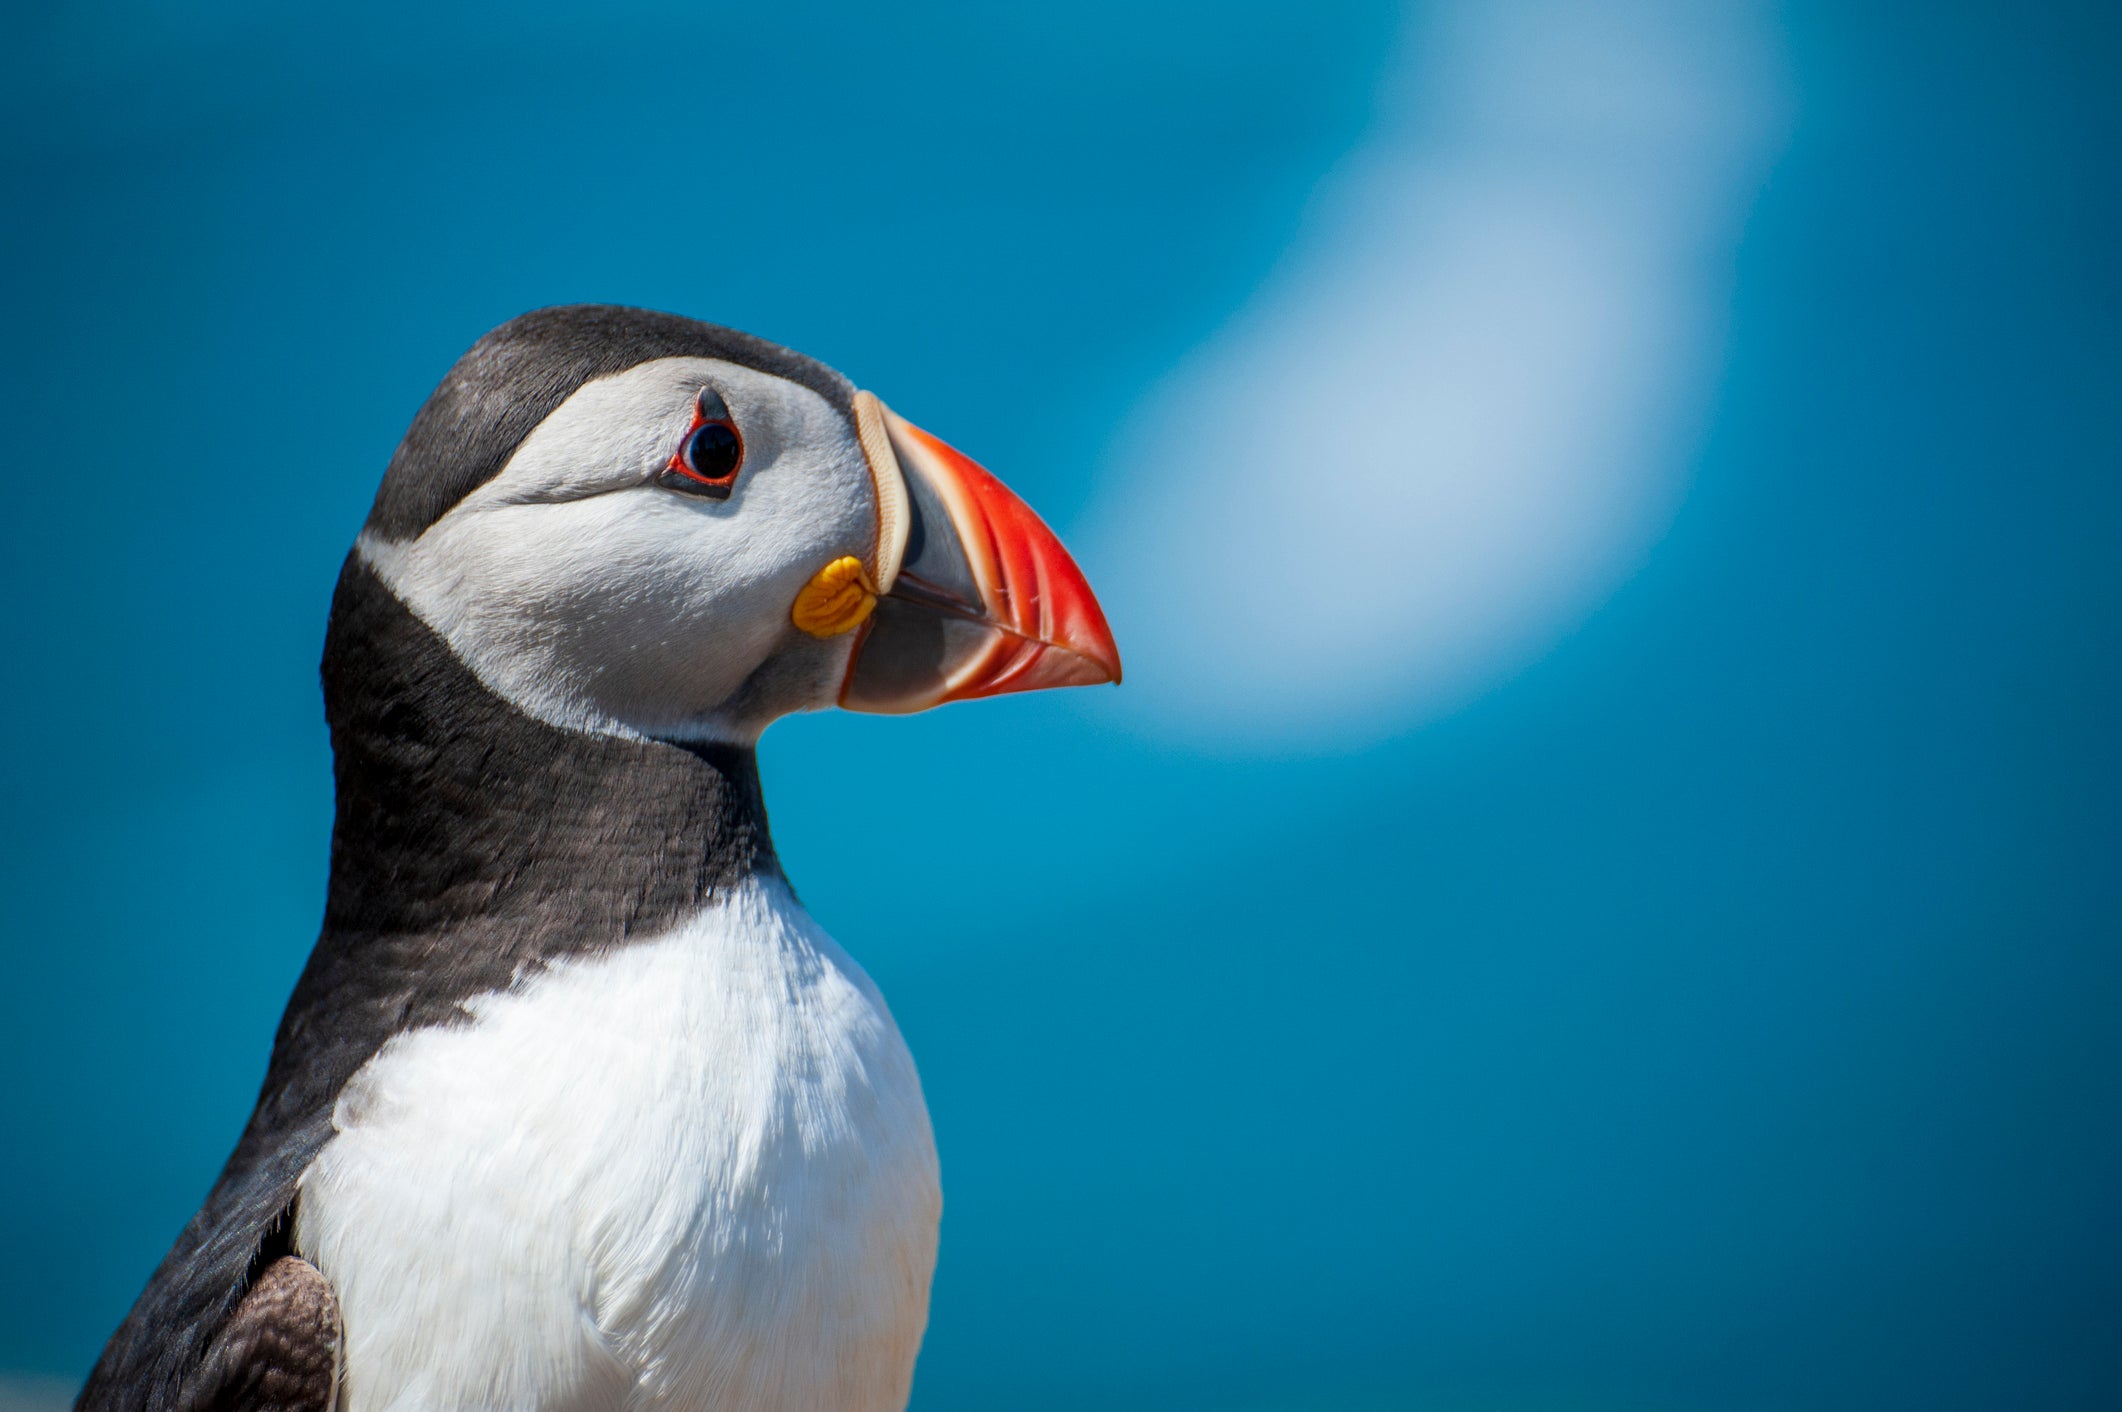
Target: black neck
456 807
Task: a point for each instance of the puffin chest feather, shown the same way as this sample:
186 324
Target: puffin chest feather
690 1172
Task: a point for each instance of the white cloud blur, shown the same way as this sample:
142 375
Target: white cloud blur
1464 404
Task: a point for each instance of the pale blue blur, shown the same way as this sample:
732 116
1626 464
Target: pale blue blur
1698 988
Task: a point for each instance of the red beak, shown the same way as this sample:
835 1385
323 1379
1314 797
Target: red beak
980 598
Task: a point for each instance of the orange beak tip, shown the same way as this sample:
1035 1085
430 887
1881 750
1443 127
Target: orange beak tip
1045 627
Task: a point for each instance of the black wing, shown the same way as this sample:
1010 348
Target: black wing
223 1276
281 1349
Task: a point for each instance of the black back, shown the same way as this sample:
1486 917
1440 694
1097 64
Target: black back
471 845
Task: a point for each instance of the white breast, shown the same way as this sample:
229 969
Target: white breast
693 1173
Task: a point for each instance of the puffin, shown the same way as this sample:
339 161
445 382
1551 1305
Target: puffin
573 1106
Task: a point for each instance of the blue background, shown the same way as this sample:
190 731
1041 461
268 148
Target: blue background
1721 1012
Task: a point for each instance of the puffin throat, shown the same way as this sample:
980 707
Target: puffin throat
460 815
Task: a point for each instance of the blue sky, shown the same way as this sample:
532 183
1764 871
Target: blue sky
1600 889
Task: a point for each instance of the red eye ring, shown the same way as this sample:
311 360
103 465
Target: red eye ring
708 459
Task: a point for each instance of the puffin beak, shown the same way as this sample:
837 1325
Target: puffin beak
976 595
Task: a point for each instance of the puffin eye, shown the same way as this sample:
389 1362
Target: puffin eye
713 451
707 460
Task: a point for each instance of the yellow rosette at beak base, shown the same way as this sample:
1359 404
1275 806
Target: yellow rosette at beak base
836 600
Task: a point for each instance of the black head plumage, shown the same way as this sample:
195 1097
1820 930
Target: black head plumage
513 379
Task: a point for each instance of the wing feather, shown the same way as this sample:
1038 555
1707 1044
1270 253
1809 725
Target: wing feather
280 1350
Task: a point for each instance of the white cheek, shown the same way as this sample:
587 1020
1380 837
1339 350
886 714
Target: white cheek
637 611
613 430
592 598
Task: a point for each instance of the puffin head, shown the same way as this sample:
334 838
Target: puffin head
634 524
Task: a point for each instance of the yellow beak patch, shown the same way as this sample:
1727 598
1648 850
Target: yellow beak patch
836 600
